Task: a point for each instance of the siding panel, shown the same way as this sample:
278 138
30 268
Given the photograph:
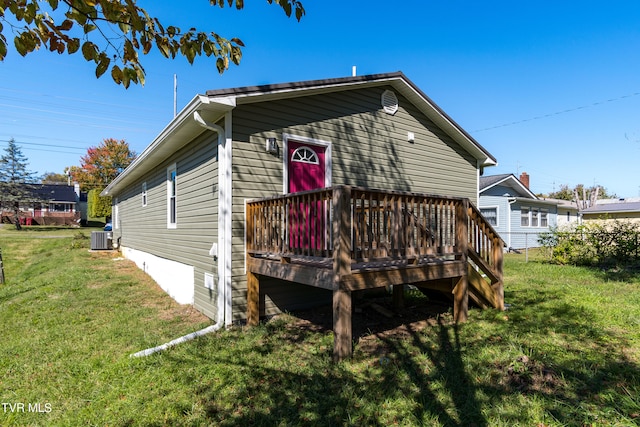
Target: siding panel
145 228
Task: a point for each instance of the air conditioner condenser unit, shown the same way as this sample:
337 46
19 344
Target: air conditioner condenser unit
101 240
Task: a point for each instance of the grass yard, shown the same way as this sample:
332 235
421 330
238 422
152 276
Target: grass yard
566 353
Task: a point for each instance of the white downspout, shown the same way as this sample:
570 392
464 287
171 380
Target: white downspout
222 234
222 261
509 204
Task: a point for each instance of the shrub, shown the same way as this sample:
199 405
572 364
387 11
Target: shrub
98 206
602 244
79 240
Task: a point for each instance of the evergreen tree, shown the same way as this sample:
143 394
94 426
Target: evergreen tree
16 181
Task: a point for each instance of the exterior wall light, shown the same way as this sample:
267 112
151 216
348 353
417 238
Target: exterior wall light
272 146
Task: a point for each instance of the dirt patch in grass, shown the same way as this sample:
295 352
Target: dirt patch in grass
374 321
526 375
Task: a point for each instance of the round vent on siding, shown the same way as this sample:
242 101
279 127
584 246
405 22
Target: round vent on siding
389 102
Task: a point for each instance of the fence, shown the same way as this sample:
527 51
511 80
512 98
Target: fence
1 269
599 243
521 241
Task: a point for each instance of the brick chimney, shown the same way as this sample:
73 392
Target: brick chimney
524 179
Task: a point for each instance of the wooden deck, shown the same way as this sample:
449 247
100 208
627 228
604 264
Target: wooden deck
346 239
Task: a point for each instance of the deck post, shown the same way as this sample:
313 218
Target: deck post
253 299
253 283
461 289
497 255
398 297
342 326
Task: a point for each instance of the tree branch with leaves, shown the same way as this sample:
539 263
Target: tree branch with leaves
74 26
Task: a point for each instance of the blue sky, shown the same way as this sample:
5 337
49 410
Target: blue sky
550 88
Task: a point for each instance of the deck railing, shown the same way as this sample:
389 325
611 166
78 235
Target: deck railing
383 224
293 224
485 241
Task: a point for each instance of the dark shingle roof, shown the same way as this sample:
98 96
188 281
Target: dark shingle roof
613 207
56 193
51 193
488 181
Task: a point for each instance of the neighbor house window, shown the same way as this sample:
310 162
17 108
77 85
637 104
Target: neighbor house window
524 217
144 194
535 217
544 218
491 215
172 177
60 207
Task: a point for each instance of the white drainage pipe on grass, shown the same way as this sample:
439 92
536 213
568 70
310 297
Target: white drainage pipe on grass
177 341
219 323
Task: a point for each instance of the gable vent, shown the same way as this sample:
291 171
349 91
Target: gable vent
389 102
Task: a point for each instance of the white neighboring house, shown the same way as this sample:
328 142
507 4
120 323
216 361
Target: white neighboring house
568 213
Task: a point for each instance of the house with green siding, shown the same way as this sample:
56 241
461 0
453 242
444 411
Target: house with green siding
179 208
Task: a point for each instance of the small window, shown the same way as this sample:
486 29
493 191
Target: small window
491 215
144 194
544 218
535 216
524 217
172 194
305 155
60 207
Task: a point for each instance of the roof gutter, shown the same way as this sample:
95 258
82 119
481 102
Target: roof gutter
532 201
180 130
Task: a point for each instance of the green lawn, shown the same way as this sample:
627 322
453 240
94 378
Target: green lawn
567 352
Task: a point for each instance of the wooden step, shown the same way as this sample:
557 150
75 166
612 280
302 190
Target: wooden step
480 290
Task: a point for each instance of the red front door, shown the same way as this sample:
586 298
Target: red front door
306 172
306 167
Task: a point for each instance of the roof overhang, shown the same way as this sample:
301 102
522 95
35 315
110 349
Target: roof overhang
178 133
536 201
599 210
513 182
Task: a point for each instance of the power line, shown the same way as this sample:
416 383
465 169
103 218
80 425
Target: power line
75 101
94 121
44 145
50 151
557 113
47 138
